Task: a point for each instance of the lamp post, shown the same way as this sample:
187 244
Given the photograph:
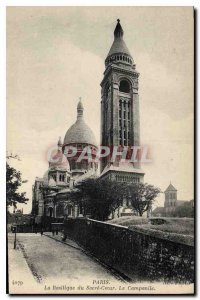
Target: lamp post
15 231
15 239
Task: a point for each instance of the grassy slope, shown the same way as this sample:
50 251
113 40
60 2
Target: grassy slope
179 230
127 221
176 225
172 225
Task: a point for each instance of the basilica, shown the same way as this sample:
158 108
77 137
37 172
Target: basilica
119 127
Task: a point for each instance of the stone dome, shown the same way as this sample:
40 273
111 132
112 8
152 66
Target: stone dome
57 160
79 132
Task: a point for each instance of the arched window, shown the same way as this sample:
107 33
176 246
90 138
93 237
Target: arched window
124 86
50 211
69 210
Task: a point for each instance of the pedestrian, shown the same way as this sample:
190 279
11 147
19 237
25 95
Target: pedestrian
41 231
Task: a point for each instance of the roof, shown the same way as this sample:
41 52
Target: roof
171 188
118 45
89 174
128 168
80 132
52 182
38 179
63 191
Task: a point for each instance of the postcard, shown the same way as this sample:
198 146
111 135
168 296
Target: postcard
100 150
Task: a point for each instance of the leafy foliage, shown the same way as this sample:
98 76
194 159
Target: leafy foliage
13 183
101 198
184 210
141 196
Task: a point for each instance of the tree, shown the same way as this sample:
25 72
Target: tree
99 198
141 196
13 183
184 210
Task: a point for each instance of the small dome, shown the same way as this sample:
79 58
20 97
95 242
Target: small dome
58 161
79 132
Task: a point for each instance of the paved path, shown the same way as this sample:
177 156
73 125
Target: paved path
59 237
47 260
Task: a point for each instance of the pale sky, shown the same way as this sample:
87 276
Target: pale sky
56 54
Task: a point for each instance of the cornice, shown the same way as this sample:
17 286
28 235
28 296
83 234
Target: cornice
119 71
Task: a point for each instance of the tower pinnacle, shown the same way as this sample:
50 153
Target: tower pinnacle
80 109
118 33
119 52
59 142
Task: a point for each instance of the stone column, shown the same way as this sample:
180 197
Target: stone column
75 211
122 119
57 177
55 211
136 123
127 123
115 116
136 118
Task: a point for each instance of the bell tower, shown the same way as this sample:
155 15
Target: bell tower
119 99
170 198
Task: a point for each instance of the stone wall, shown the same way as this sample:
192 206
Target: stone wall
137 255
